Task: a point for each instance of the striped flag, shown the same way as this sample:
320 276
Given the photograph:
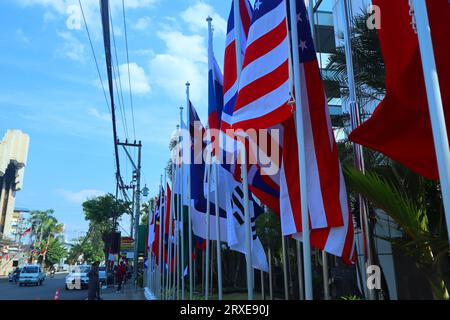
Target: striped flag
215 89
264 85
265 92
230 78
25 232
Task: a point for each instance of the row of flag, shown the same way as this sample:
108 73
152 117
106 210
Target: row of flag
256 91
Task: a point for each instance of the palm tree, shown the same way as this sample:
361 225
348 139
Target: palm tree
415 204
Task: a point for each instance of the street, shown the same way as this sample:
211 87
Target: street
10 291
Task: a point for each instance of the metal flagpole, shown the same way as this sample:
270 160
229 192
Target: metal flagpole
178 260
166 252
270 274
216 180
175 234
435 106
285 272
263 293
301 156
171 248
248 244
182 205
324 254
301 287
188 192
163 240
356 120
311 18
159 274
326 277
208 229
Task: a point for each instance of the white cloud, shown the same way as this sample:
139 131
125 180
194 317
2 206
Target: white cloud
70 11
195 16
78 197
139 80
20 35
99 115
185 59
142 24
72 47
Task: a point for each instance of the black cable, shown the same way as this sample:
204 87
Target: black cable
95 57
119 92
128 63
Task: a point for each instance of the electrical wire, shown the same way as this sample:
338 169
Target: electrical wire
95 57
128 64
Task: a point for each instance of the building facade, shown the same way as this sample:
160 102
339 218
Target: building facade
13 158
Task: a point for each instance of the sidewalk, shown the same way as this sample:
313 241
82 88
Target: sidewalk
128 294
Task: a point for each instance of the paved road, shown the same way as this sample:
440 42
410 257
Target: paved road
9 291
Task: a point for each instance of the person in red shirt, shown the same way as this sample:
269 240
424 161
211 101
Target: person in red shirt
120 274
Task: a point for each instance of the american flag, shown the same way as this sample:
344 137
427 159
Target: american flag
263 102
264 86
230 77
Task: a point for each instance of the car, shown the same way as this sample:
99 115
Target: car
78 279
31 274
13 276
102 274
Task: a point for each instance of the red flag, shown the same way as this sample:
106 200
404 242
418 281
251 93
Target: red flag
25 232
400 126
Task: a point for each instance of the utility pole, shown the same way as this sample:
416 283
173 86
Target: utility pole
136 200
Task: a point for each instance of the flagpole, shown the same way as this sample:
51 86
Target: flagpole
163 241
435 105
208 230
301 156
159 274
270 274
182 205
169 239
311 18
216 176
356 120
248 244
177 236
326 278
285 272
324 254
175 233
188 192
301 287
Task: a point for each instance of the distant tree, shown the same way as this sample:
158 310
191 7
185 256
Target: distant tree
101 210
56 252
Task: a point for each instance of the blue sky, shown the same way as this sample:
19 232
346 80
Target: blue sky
49 88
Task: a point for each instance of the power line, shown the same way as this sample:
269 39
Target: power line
104 11
119 90
128 64
93 53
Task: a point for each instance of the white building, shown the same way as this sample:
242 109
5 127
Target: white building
13 158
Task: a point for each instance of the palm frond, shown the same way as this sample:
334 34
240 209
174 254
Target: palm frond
395 202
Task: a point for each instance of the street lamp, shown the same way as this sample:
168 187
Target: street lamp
145 191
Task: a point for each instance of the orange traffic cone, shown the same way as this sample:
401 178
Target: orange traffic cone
57 294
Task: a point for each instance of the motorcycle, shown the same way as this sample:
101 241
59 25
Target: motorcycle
52 273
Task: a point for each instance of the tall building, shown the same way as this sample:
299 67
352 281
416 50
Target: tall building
13 158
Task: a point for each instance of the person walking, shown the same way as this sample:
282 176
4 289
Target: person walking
120 275
94 283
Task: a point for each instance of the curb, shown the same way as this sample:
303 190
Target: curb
148 294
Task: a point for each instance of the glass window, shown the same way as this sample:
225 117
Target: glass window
30 270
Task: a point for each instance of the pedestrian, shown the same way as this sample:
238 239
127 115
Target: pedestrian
94 283
120 275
